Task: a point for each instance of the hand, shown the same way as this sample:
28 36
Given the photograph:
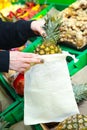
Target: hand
37 27
20 61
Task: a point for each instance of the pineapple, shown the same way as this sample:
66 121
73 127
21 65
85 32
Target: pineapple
80 92
49 44
75 122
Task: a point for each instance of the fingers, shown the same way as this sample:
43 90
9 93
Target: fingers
29 55
20 61
42 32
24 68
37 27
30 60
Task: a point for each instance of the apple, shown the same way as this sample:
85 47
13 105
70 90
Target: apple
18 84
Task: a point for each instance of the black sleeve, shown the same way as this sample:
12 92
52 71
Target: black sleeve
4 61
14 34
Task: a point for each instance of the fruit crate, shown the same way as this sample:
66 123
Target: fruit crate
43 12
36 40
57 1
9 88
60 4
31 47
64 46
9 99
48 1
14 113
82 62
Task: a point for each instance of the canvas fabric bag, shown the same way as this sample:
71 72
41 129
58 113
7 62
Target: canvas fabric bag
48 93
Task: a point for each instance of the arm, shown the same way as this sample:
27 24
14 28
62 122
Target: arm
14 34
4 61
18 61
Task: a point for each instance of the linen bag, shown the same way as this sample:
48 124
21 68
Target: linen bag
48 93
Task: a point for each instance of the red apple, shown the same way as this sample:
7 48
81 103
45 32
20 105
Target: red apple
18 84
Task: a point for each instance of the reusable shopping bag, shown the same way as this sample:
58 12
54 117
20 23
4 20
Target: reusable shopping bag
48 93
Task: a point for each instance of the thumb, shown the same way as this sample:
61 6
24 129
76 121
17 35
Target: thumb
42 32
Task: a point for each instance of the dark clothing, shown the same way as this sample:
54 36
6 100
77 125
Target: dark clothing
12 35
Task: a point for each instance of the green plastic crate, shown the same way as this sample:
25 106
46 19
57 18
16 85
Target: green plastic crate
57 1
32 46
48 1
82 62
48 8
43 12
16 100
58 6
9 88
37 41
14 114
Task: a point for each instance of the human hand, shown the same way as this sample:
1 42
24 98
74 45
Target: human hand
37 27
20 61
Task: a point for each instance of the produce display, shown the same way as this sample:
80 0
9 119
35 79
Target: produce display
73 31
16 12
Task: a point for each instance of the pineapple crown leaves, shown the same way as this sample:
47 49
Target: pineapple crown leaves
52 25
3 124
80 92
